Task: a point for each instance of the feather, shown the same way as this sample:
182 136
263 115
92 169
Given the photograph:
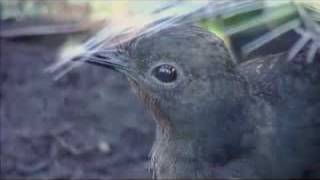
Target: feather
165 14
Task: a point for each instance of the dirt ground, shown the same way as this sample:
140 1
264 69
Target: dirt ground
86 125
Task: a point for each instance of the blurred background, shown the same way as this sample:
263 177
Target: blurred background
87 124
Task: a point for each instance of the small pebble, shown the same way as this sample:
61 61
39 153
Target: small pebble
104 147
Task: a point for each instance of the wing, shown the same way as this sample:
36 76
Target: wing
291 91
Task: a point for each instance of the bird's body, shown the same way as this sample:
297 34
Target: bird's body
217 118
259 119
290 94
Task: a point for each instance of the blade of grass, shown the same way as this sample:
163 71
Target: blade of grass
264 39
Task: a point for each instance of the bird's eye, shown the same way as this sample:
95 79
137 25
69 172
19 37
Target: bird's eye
165 73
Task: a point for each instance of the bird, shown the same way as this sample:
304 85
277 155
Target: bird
216 117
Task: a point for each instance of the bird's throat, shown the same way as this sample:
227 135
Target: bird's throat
152 104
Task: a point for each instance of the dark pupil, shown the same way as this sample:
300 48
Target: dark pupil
165 73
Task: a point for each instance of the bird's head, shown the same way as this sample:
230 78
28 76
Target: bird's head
187 78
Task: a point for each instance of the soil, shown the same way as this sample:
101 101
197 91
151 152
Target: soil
86 125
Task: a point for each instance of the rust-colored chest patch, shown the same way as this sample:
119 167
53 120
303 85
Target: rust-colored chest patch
153 105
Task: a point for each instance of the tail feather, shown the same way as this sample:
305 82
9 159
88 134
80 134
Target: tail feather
171 13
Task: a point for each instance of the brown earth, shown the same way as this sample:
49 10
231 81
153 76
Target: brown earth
86 125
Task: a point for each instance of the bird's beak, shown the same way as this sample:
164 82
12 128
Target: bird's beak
115 63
